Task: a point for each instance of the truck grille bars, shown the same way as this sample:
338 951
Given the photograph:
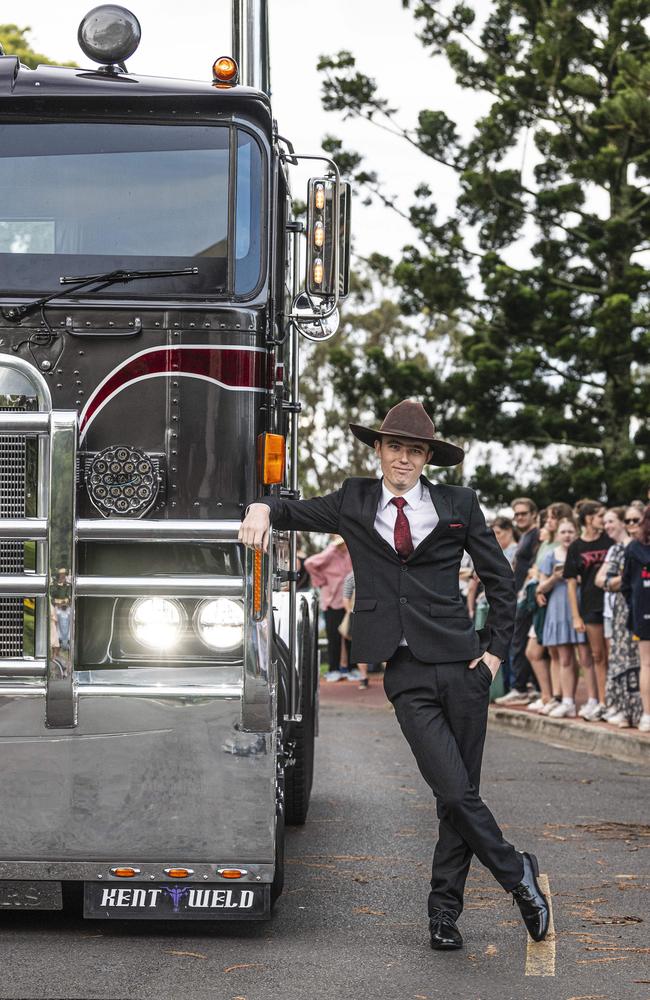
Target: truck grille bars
55 585
13 464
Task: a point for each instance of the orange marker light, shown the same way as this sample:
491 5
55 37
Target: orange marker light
125 872
231 872
319 234
178 872
258 561
318 271
225 71
319 197
270 458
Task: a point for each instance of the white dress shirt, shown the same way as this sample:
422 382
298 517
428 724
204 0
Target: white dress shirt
422 517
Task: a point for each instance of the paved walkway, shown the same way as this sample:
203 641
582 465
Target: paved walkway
593 737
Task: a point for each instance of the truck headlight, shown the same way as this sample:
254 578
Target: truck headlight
157 622
220 623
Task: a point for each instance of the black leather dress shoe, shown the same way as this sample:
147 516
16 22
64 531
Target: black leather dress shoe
531 900
445 936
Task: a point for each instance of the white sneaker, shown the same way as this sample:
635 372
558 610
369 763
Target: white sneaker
644 724
535 706
615 720
596 713
587 709
549 706
353 675
624 723
513 698
563 711
610 713
333 675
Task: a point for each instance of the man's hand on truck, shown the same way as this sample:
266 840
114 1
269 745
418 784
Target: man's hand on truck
256 526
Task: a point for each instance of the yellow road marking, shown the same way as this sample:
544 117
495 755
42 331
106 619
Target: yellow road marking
540 955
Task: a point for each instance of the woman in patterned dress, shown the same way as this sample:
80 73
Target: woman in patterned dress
622 692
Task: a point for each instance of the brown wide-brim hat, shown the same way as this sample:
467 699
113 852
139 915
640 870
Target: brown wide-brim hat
410 420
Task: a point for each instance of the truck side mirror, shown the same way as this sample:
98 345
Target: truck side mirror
326 232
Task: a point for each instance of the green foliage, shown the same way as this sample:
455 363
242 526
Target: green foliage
376 359
14 41
553 344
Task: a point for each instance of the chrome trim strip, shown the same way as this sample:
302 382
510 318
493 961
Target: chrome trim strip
257 701
23 529
155 691
23 668
150 530
159 586
61 707
160 690
101 870
31 422
23 585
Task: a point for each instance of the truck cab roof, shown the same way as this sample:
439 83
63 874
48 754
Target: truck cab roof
62 83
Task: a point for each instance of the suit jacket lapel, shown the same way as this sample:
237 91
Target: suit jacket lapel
442 507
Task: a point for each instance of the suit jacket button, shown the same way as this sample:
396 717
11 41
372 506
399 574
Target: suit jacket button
404 569
403 600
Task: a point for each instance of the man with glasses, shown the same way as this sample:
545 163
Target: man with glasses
524 514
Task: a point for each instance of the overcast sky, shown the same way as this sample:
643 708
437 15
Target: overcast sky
183 40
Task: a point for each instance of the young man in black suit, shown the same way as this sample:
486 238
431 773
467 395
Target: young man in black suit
406 537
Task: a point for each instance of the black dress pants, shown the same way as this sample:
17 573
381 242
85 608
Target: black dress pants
333 618
519 663
442 710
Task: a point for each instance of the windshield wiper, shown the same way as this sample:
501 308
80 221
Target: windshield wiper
79 281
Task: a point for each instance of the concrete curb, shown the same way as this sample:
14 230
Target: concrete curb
590 737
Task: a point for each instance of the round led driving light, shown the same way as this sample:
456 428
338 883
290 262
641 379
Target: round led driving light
220 623
122 482
157 622
109 34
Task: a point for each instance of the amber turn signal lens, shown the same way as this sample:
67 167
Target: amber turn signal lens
257 583
231 872
225 70
270 457
125 872
178 872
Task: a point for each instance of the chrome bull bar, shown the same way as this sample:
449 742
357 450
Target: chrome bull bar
56 531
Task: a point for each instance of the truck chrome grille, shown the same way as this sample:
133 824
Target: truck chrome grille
13 473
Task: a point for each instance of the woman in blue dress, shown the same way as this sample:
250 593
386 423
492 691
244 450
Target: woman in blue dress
559 636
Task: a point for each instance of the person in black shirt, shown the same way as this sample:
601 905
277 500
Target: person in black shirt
524 512
584 558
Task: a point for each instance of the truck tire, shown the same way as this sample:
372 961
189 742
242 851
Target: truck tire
299 777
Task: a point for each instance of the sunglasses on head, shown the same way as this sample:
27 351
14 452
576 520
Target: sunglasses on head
632 520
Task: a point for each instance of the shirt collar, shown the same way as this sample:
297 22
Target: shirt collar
413 498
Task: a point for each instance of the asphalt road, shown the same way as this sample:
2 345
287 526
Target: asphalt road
352 921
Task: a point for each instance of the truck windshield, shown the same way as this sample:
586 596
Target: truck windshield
80 197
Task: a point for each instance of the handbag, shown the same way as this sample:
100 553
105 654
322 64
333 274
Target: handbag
344 628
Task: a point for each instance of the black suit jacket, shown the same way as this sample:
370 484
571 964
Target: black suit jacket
419 598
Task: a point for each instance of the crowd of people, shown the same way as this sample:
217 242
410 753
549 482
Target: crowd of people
582 575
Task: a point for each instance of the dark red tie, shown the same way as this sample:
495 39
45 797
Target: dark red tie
403 540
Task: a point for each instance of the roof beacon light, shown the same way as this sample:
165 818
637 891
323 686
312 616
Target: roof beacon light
225 71
109 34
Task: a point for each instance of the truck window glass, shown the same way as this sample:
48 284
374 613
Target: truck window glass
249 192
78 197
